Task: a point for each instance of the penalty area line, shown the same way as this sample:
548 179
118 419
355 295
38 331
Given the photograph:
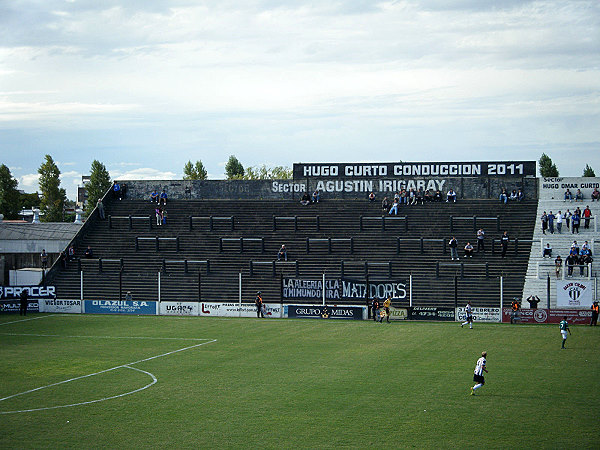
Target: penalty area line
127 366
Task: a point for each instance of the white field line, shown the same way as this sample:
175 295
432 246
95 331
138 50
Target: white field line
98 373
154 381
25 320
104 337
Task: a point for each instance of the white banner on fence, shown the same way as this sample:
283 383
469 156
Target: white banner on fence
480 314
50 305
573 294
178 309
235 310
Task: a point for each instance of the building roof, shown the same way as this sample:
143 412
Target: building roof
53 231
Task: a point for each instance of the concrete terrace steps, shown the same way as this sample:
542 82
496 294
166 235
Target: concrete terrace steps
561 244
338 220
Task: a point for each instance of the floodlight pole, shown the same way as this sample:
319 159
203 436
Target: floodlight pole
410 290
323 288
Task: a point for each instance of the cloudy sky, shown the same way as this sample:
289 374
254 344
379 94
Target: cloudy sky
146 85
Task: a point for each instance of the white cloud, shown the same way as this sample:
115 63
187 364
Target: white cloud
29 181
145 173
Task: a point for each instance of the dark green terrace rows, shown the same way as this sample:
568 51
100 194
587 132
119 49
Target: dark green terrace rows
354 248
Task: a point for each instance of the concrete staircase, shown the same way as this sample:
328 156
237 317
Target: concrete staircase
540 268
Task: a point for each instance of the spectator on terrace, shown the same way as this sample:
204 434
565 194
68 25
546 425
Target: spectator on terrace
503 196
164 216
397 197
579 195
71 253
128 296
558 262
504 243
520 195
596 195
420 196
585 247
412 196
551 218
117 191
305 199
567 216
163 198
571 261
44 259
158 214
451 196
63 259
587 215
88 252
480 239
575 219
574 248
453 244
371 197
154 196
316 196
100 207
559 221
468 250
385 205
282 253
585 260
547 251
429 195
188 192
437 196
394 207
568 195
513 195
544 222
533 301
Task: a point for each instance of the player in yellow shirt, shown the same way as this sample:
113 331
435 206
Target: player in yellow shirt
386 306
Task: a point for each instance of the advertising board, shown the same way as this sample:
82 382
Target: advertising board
574 294
120 307
61 306
325 312
209 309
398 313
574 316
13 306
13 292
480 314
431 313
178 308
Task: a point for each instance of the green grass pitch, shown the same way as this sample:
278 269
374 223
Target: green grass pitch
292 383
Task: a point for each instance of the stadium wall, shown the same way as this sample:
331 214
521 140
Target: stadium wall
356 181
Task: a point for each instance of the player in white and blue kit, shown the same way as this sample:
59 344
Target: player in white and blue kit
469 314
478 373
564 327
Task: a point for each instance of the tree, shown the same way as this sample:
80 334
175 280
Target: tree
97 186
268 173
194 171
29 201
547 167
53 196
10 203
588 172
234 169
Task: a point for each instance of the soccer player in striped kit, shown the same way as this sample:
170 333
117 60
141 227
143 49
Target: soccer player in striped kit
478 373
